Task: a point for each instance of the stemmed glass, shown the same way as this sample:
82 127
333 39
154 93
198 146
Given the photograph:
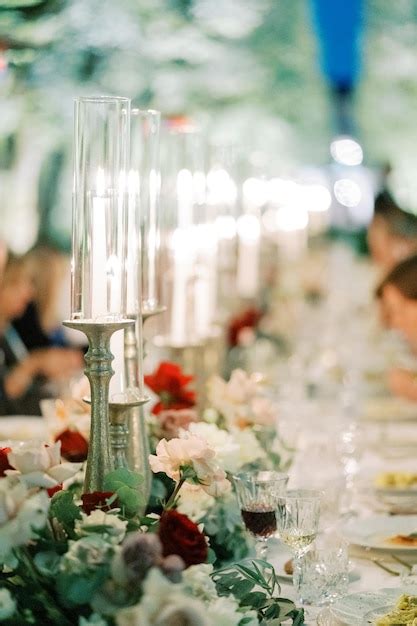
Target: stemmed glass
298 513
258 494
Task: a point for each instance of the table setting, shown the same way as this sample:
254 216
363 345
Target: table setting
217 464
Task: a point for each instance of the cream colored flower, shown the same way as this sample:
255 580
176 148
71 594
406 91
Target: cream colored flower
40 465
194 502
240 401
164 604
21 513
108 525
190 452
250 450
222 442
196 579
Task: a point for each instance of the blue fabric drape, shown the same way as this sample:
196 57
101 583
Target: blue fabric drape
339 25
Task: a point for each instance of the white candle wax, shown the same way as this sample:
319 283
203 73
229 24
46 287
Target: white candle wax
133 246
152 243
182 267
202 306
99 252
248 256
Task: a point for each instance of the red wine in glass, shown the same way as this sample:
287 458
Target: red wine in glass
260 522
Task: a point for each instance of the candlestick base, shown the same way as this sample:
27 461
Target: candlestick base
148 313
137 453
119 413
99 372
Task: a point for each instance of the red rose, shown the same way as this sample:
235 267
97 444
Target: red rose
169 383
97 500
179 535
4 461
74 447
53 490
248 319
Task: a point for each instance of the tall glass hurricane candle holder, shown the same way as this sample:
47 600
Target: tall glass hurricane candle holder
145 183
183 201
99 252
129 437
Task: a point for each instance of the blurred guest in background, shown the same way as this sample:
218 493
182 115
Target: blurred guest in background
392 234
398 292
39 326
24 373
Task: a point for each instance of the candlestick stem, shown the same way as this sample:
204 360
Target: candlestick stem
119 431
99 372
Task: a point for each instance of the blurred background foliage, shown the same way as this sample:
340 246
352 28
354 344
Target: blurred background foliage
247 71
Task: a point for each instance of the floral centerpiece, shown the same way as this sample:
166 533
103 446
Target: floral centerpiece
66 558
239 427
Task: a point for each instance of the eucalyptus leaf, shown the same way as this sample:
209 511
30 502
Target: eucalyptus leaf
65 511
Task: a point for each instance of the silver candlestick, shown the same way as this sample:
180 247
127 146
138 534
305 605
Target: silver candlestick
99 372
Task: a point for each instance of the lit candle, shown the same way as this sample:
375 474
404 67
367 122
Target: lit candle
99 249
205 241
248 229
133 244
152 242
181 273
292 224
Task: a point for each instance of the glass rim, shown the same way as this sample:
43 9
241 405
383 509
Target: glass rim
253 477
151 112
101 99
303 494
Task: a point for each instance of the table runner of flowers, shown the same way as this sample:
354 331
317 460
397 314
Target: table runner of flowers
103 558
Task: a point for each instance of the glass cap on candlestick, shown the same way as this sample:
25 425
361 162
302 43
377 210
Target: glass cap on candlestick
183 197
101 151
144 195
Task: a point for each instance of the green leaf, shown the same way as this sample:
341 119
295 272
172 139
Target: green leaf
242 588
127 485
255 600
64 510
122 477
74 589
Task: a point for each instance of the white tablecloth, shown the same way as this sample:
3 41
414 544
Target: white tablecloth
378 455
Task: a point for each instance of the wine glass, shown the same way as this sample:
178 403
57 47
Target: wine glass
258 493
298 513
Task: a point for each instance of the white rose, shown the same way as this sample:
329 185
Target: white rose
250 450
7 605
194 502
223 612
86 553
21 513
108 525
197 580
222 442
163 603
190 451
40 465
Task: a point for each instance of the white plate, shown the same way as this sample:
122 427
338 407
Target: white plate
22 428
372 532
358 609
390 499
387 409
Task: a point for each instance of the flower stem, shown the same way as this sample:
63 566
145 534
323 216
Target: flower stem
51 605
173 497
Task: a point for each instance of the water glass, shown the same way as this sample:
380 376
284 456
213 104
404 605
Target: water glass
322 573
298 515
258 493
